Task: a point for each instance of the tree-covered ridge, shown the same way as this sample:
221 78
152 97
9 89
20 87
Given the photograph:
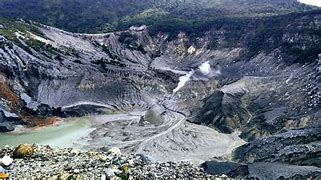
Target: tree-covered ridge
9 28
297 36
109 15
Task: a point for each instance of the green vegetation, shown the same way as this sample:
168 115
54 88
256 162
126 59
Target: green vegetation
15 31
9 27
110 15
255 35
103 62
297 44
252 28
41 46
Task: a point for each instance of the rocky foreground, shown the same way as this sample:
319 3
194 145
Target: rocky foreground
44 162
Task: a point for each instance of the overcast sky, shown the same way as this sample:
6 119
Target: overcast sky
312 2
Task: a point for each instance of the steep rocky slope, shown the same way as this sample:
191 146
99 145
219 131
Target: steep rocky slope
263 80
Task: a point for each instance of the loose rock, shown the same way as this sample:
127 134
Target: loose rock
114 151
23 150
65 164
6 160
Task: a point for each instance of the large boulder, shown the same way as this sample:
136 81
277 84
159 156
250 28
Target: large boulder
115 151
23 150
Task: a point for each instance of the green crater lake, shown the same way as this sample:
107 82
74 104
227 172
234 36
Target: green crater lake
63 135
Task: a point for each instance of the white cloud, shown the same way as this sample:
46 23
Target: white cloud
312 2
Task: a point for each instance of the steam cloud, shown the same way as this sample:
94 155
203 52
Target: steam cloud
205 69
183 80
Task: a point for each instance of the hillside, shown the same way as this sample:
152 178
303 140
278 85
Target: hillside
239 94
111 15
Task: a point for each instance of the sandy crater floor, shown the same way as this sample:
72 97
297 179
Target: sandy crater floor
173 140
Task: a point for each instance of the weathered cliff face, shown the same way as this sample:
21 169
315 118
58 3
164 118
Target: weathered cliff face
267 92
265 84
62 69
263 105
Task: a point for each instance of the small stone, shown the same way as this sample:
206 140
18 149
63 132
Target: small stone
103 158
131 162
124 168
224 176
79 177
53 178
68 167
75 151
114 151
110 172
66 176
6 160
93 154
76 171
103 177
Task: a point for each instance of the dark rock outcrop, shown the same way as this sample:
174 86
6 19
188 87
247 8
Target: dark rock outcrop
8 123
259 170
297 147
222 111
277 171
6 127
234 170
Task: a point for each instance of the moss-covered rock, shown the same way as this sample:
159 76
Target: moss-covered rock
23 150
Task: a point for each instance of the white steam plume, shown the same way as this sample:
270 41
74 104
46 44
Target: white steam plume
183 80
205 68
